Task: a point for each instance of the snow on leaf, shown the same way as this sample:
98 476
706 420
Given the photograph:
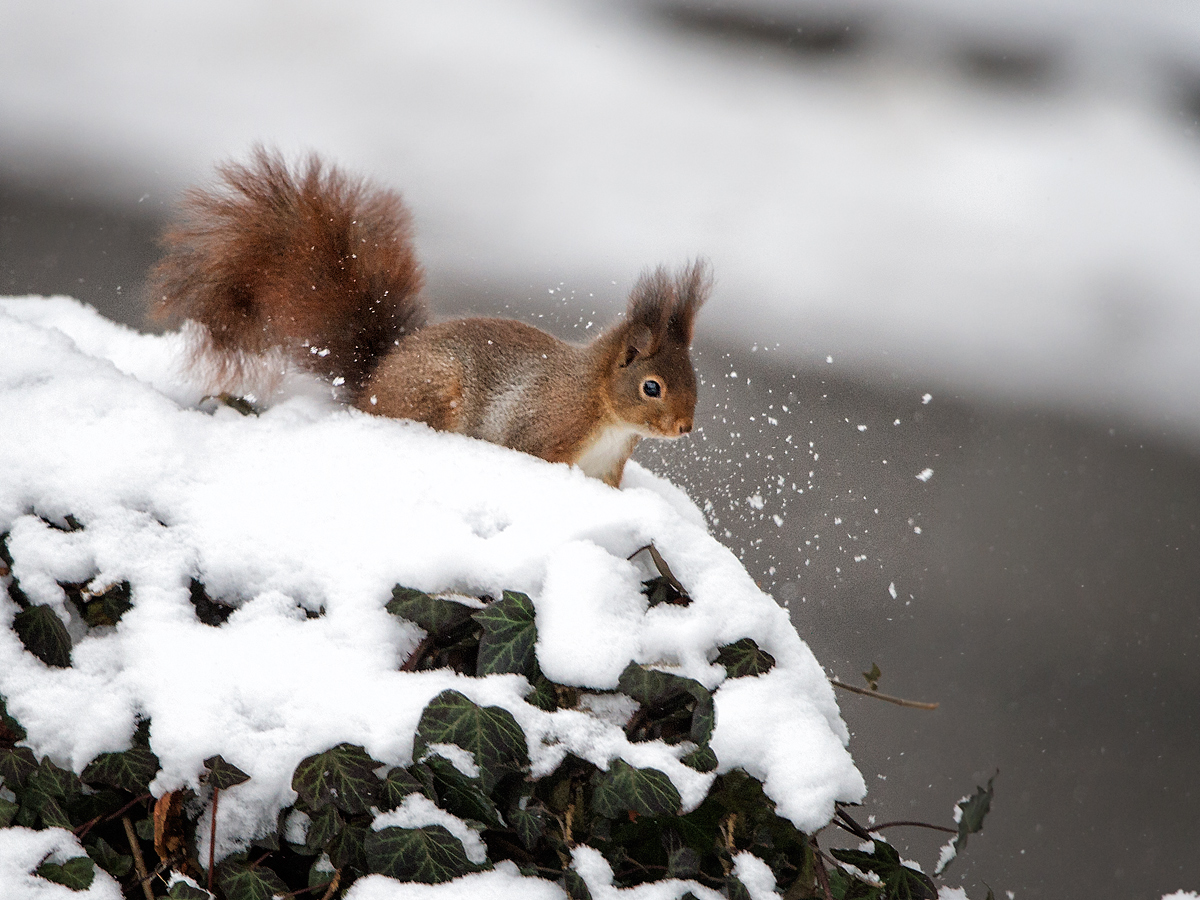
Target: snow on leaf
430 855
647 792
970 813
490 733
223 775
899 881
664 698
343 776
462 796
399 783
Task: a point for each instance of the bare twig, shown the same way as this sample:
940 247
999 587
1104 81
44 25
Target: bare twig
212 838
911 704
851 826
916 825
333 885
124 809
139 863
822 875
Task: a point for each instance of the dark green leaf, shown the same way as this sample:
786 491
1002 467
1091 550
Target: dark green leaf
145 829
430 855
130 770
509 636
46 792
490 733
105 608
971 813
8 811
702 759
744 658
661 693
208 611
239 881
320 874
323 827
398 784
872 677
462 796
115 864
16 765
181 890
576 887
899 881
77 873
346 848
10 729
647 792
430 613
44 635
344 776
682 860
543 695
735 889
528 818
660 590
223 775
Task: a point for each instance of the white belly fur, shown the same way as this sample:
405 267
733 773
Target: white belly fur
605 456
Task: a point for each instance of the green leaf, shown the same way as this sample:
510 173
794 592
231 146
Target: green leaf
320 874
401 782
660 590
181 890
16 765
10 729
647 792
44 635
735 889
430 855
223 775
663 695
346 849
576 887
239 881
744 658
529 819
115 864
323 827
106 608
462 796
130 770
46 792
509 636
543 695
8 811
872 677
343 775
434 615
145 829
702 759
490 733
899 881
971 813
208 611
76 874
682 860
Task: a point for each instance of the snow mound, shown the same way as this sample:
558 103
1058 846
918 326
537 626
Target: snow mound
304 519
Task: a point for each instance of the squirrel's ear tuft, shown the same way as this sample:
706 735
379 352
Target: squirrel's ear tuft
666 306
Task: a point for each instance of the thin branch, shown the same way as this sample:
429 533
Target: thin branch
853 827
139 863
822 875
124 809
917 825
212 838
333 885
911 704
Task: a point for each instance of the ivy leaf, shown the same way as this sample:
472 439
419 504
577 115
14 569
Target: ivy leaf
223 775
430 855
702 759
346 849
682 860
509 636
528 818
662 694
872 677
8 811
44 635
105 608
10 729
660 590
400 782
16 765
323 827
647 792
434 615
490 733
970 813
735 889
343 775
46 790
744 658
462 796
239 881
208 611
181 890
576 887
76 874
899 881
130 770
114 863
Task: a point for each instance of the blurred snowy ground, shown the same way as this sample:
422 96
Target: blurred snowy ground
1002 197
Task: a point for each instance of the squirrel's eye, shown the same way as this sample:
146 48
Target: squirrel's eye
651 388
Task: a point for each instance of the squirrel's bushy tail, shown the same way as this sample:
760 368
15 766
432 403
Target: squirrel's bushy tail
310 262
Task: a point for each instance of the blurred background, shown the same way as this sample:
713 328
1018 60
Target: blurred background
950 412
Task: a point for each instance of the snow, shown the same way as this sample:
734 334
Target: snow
312 507
417 811
505 882
22 850
1032 244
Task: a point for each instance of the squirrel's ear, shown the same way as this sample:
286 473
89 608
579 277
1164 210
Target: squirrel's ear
637 339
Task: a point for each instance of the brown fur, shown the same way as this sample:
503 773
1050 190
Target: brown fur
304 262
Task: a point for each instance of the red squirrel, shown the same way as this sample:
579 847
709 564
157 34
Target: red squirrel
319 267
